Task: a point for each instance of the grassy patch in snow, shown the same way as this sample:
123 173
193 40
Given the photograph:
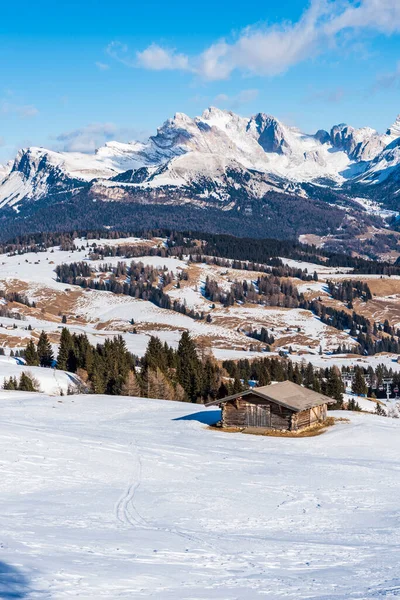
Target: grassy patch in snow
312 431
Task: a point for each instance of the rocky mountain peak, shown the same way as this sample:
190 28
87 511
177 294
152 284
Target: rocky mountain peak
272 134
323 136
394 130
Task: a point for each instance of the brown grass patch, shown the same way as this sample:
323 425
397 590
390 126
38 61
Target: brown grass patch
312 239
50 304
384 287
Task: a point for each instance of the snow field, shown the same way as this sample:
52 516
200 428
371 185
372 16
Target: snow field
112 497
51 381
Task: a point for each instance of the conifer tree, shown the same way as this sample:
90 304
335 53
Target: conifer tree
236 386
44 350
65 348
309 376
223 391
27 383
189 367
264 378
335 387
155 356
31 355
10 384
359 386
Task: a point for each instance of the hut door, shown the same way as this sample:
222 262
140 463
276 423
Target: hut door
258 416
264 416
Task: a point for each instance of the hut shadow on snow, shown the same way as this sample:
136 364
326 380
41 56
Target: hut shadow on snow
13 583
208 417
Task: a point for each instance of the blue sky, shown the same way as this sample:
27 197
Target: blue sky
73 75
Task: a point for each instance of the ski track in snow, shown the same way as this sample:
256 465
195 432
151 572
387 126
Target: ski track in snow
125 509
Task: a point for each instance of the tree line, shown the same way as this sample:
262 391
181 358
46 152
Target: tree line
260 251
346 291
142 282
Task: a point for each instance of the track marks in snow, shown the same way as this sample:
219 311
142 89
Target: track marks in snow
125 509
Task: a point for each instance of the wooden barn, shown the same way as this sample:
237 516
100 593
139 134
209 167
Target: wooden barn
284 406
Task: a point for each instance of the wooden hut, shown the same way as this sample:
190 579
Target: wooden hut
284 406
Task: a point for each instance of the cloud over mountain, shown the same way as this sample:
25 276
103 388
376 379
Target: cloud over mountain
269 50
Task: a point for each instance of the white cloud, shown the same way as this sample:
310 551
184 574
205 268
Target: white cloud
120 52
158 59
386 81
378 15
102 66
23 111
87 139
153 58
271 50
236 101
332 96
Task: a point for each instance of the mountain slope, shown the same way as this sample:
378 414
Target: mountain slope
217 160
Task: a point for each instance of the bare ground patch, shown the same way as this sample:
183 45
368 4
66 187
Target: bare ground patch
306 432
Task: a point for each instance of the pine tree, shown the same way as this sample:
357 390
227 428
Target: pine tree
66 346
223 391
189 368
297 378
31 355
155 356
359 387
236 386
10 384
309 376
27 383
353 405
335 387
264 378
380 411
44 350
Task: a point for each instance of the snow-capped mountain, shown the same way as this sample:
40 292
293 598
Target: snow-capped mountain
211 158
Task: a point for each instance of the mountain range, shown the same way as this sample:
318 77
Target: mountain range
220 161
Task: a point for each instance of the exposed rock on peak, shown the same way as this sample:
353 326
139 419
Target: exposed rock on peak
323 136
216 154
271 134
394 130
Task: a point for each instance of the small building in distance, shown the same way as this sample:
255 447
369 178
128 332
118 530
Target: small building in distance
284 406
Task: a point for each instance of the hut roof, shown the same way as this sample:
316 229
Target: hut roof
286 393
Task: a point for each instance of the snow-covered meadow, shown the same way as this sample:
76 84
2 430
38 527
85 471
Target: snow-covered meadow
50 381
112 497
102 314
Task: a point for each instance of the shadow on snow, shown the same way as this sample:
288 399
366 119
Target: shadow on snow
13 583
208 417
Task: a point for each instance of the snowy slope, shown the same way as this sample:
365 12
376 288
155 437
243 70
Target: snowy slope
115 498
51 381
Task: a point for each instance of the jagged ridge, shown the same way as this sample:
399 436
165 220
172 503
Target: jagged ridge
213 159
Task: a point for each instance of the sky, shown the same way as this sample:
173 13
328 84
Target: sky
76 74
